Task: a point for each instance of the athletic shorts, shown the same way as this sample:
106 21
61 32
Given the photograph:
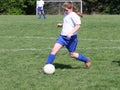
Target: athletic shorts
40 9
69 43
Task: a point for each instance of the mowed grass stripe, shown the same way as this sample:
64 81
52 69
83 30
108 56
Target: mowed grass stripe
39 37
36 49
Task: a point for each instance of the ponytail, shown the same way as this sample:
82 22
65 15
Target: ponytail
76 10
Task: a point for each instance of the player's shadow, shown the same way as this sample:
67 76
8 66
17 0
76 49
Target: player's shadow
64 66
116 62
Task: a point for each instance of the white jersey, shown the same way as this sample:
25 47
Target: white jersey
69 23
40 3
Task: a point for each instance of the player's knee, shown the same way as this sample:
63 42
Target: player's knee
72 55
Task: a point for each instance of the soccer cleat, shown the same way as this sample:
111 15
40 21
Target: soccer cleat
88 64
41 70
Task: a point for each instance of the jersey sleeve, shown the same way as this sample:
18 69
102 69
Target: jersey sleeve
76 19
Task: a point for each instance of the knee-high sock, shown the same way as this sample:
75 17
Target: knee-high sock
50 59
82 58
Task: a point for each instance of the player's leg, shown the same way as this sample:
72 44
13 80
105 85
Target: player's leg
39 12
81 57
72 48
54 51
60 42
43 13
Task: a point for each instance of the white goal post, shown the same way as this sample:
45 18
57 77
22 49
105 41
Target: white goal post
79 1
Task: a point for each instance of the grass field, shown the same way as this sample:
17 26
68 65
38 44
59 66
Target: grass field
25 42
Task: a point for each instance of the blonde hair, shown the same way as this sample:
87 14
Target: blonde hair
72 5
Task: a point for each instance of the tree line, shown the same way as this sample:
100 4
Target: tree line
28 7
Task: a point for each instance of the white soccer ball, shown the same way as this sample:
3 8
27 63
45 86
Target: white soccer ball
49 69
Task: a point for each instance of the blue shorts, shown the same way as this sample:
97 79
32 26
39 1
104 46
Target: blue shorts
69 43
40 9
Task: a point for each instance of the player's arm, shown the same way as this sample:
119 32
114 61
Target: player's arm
76 28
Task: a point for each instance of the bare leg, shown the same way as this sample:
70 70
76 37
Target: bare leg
56 48
80 57
43 13
54 51
40 15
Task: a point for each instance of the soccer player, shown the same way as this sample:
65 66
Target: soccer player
40 8
68 36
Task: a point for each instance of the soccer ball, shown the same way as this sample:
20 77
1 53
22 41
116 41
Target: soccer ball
49 69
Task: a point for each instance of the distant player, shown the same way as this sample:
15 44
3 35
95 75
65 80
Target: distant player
68 36
40 8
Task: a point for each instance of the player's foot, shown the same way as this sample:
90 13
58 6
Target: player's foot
88 64
41 70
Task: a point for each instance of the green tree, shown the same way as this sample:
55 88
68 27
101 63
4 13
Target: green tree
17 6
101 6
112 6
26 7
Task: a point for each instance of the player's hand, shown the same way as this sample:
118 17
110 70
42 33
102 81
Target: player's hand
69 35
59 25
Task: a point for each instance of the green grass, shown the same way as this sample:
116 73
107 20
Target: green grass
25 42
